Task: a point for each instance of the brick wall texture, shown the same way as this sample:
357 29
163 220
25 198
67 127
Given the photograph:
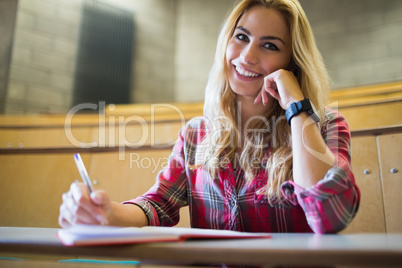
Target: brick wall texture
175 42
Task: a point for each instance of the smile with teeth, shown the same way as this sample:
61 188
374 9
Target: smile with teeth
245 73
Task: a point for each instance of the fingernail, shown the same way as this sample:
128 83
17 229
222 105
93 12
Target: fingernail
95 196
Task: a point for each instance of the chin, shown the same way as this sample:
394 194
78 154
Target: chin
245 92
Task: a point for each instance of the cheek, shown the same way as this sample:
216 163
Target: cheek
230 53
273 64
228 60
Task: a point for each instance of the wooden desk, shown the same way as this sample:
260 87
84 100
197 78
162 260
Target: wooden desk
291 249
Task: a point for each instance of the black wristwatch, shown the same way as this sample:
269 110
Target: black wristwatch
299 107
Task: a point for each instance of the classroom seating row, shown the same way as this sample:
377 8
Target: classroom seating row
125 146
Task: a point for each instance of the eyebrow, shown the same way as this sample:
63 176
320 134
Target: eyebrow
269 37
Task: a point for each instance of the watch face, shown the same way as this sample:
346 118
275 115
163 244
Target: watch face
302 106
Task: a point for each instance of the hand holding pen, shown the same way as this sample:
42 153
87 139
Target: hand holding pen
82 204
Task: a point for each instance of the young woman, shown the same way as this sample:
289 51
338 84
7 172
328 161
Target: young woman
266 157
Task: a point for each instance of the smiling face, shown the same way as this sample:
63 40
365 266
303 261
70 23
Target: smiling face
260 45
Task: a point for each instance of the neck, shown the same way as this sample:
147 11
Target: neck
248 110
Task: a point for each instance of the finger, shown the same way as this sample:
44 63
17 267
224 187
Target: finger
92 208
66 218
73 213
80 196
79 205
271 88
258 98
63 223
63 212
273 93
265 97
62 220
102 200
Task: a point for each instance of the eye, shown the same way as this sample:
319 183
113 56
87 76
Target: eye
270 46
242 37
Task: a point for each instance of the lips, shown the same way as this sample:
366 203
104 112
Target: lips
245 74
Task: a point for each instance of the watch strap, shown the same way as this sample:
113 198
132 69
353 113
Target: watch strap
298 107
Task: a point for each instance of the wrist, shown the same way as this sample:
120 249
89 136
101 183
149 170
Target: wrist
303 106
127 215
293 100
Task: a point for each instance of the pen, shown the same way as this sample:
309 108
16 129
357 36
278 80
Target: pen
83 172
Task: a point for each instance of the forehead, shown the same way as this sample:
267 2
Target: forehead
263 21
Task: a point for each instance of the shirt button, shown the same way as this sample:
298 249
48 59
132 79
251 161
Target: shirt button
287 192
289 189
232 203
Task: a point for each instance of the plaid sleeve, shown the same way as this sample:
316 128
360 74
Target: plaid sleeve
162 202
332 203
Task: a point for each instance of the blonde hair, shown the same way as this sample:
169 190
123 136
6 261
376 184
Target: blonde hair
221 108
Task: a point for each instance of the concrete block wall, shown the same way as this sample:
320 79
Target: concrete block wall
154 50
198 27
8 13
360 39
175 45
46 45
42 68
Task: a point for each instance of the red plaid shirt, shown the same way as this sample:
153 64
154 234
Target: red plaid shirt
229 203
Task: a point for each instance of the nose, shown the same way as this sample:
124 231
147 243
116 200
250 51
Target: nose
249 54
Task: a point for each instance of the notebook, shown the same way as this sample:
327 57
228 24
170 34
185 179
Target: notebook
93 235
